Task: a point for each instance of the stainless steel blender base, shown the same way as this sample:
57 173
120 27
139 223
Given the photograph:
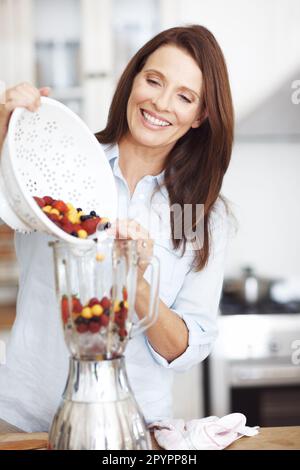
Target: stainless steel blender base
98 411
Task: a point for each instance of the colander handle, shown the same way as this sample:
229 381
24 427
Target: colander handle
151 317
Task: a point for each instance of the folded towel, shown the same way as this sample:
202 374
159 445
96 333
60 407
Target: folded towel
210 433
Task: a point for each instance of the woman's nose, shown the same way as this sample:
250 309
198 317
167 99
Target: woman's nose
162 101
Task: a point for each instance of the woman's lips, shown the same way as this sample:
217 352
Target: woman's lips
149 125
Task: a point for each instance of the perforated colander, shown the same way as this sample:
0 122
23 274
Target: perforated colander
52 152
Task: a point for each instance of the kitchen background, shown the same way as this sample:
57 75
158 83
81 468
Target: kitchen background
79 48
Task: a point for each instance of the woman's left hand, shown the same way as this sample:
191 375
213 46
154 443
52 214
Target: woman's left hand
131 230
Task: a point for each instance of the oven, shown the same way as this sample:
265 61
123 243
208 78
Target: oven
255 369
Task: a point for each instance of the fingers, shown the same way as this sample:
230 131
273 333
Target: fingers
132 230
128 229
25 95
45 91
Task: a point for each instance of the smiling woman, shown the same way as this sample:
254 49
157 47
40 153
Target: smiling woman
168 141
173 101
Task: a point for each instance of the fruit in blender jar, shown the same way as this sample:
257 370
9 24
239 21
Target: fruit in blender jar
95 314
65 309
73 221
124 293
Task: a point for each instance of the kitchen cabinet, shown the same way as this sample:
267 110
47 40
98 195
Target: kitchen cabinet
78 47
16 41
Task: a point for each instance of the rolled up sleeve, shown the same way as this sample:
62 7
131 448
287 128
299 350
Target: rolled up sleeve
197 303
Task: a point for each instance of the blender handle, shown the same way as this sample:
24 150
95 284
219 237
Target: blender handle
151 318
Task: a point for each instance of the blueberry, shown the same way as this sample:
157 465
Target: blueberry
93 213
95 320
85 217
75 234
104 226
79 209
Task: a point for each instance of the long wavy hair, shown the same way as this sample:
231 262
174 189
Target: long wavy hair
196 165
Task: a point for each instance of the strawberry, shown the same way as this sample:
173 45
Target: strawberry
53 217
60 206
94 301
125 293
104 320
64 219
76 227
119 319
94 326
123 313
64 309
90 225
76 305
82 328
122 333
40 201
67 227
105 303
48 200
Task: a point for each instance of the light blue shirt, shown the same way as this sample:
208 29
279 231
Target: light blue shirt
32 381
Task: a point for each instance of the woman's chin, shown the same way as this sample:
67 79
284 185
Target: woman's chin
148 139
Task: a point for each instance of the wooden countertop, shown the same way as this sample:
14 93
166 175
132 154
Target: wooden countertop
277 438
7 316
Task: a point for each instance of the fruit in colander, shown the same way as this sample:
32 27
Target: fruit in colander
73 221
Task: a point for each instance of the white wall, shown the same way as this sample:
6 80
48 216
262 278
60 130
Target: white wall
260 41
50 20
263 181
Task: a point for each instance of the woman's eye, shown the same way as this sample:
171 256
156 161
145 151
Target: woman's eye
152 82
185 99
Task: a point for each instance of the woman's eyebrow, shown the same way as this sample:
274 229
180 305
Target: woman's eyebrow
163 77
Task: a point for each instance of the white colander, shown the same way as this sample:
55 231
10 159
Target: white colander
52 152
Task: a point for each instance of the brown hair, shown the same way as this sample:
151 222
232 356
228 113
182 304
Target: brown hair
195 167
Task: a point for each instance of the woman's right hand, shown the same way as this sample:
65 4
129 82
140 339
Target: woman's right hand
22 95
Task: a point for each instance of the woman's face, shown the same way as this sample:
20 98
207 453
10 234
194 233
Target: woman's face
165 98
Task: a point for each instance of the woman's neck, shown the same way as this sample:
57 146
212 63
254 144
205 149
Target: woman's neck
137 161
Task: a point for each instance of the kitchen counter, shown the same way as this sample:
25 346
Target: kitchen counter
277 438
7 316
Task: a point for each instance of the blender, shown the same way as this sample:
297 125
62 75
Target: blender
96 289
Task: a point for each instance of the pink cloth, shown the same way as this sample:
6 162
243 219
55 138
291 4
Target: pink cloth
210 433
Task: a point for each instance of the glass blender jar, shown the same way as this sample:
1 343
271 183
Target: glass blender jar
96 290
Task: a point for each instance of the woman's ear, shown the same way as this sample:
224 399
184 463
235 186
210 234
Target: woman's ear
200 120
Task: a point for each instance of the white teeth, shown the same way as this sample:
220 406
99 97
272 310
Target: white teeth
152 120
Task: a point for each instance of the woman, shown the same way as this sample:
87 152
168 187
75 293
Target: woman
168 139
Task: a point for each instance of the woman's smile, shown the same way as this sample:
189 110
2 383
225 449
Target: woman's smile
153 121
